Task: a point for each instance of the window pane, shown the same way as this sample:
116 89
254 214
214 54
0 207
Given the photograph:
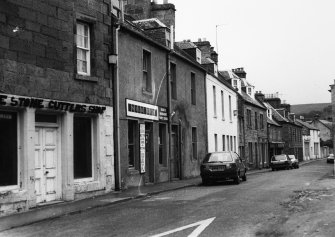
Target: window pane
82 142
8 148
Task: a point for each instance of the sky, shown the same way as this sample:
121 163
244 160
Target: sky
285 46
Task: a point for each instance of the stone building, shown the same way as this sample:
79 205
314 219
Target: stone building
326 135
252 121
161 99
56 114
291 130
221 99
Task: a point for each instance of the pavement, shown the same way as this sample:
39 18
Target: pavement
44 212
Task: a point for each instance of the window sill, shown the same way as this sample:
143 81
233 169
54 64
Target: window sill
215 117
145 92
86 78
9 188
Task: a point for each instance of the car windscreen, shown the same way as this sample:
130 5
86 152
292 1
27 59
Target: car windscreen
278 158
218 157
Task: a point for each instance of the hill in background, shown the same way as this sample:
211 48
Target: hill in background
323 110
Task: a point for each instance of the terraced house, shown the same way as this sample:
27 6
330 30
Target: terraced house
56 114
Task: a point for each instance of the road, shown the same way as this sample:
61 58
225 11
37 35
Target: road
281 203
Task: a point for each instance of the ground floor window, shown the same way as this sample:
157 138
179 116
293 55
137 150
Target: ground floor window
223 143
82 147
251 159
161 144
216 142
8 149
132 135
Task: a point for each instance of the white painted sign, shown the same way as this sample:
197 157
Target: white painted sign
141 110
142 148
202 225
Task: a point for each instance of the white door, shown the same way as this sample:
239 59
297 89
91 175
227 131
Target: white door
46 164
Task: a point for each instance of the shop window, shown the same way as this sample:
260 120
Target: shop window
83 49
173 81
8 149
194 143
161 143
132 131
45 118
146 71
82 147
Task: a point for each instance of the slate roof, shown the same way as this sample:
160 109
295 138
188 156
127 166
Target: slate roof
307 125
278 116
327 123
273 122
228 74
186 45
152 23
251 100
206 61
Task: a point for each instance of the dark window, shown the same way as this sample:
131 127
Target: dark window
231 143
256 120
82 143
222 105
249 118
251 159
223 143
193 89
194 143
132 128
261 120
216 142
173 81
146 70
8 148
161 143
45 118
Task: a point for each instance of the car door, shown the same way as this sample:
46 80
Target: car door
239 163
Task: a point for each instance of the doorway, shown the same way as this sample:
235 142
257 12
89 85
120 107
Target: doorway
149 164
46 164
175 155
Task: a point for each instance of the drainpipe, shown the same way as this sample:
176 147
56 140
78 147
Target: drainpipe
116 107
168 86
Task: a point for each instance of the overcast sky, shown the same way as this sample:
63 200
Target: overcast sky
285 46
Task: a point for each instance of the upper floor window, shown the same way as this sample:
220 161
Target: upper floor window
222 105
261 120
235 83
173 81
83 49
214 100
249 118
193 89
249 91
256 120
146 70
230 110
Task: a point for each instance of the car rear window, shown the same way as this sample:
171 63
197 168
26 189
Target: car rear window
218 157
280 157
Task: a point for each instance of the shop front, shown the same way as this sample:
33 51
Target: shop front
147 144
53 151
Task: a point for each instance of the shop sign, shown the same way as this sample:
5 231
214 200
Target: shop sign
142 148
163 115
38 103
141 110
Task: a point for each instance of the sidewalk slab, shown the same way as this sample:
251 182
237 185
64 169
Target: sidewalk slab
66 208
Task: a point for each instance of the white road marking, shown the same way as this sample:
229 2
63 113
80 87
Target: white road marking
202 225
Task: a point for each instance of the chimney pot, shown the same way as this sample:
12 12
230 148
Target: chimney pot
203 39
199 39
165 1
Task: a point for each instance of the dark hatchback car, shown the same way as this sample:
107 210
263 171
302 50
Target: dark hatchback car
220 166
281 162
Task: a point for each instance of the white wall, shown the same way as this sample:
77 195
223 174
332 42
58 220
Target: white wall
217 124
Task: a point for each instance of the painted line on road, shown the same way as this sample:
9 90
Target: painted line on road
202 225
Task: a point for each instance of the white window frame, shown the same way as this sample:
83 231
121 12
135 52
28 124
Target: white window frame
88 49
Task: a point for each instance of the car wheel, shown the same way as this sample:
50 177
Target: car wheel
237 180
244 177
273 169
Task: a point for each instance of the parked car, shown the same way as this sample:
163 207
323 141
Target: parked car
225 165
280 162
295 161
330 158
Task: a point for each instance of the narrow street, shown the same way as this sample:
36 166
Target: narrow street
297 202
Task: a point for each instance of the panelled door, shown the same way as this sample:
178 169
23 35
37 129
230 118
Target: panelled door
46 164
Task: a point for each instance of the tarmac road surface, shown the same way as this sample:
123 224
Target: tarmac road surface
298 202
